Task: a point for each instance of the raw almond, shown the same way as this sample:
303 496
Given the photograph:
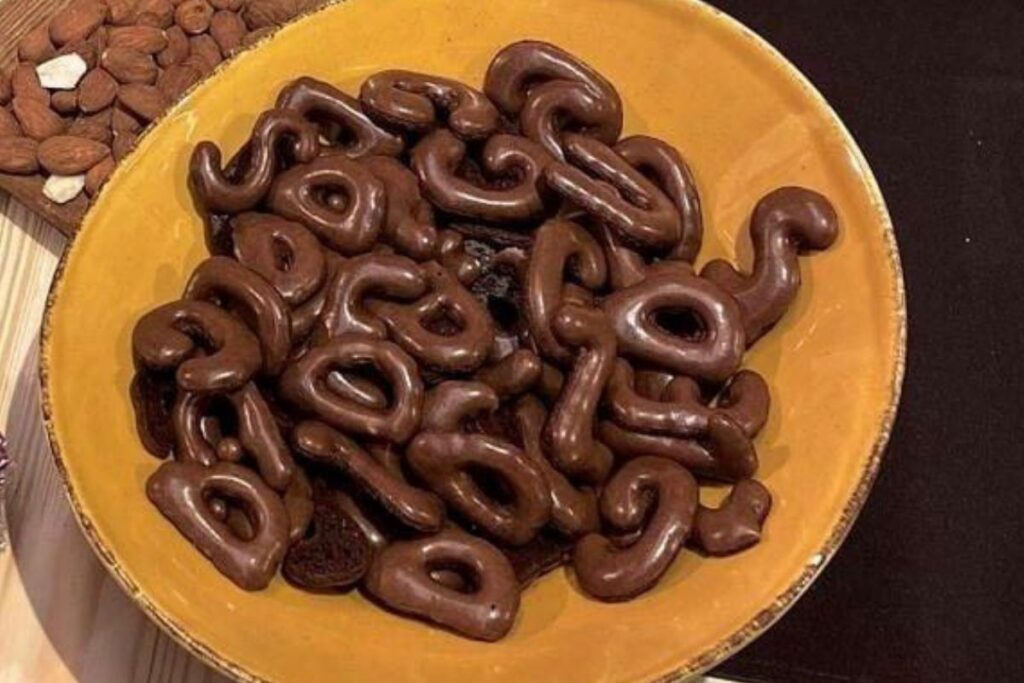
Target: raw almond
124 143
205 48
122 12
177 79
176 50
228 29
147 102
123 121
25 83
36 46
159 13
65 101
18 155
68 155
193 16
99 39
147 39
95 127
257 35
77 21
9 126
129 66
86 49
5 87
230 5
97 176
96 91
37 119
263 13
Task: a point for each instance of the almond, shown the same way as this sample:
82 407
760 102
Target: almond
65 102
97 176
159 13
129 66
147 39
86 49
263 13
18 155
123 121
36 46
37 119
9 126
256 36
147 102
68 155
177 79
25 83
228 29
205 48
99 39
77 21
176 50
193 16
230 5
122 12
124 143
96 91
95 127
5 87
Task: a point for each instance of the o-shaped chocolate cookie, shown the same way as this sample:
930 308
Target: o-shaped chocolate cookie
402 578
212 350
304 383
335 197
180 491
284 253
243 188
713 353
609 571
418 103
446 463
341 120
786 223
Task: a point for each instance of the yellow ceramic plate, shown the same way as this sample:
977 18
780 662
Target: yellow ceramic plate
746 120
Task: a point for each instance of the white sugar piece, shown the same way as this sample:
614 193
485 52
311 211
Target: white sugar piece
62 73
61 189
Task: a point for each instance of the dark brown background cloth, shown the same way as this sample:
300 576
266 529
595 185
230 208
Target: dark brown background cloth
928 586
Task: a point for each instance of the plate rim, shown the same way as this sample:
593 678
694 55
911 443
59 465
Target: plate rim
694 665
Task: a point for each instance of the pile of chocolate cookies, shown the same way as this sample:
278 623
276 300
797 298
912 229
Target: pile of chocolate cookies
449 340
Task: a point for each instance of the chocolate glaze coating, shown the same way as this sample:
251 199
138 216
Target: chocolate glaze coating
785 223
336 555
726 453
518 69
304 384
570 430
605 186
513 375
554 106
446 463
448 406
298 501
517 162
306 314
665 167
745 399
632 411
610 571
400 577
153 395
409 221
284 253
221 192
573 510
418 103
736 524
258 434
544 554
626 267
226 282
651 384
175 336
180 489
414 507
713 355
386 275
458 350
452 253
340 119
350 226
557 245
